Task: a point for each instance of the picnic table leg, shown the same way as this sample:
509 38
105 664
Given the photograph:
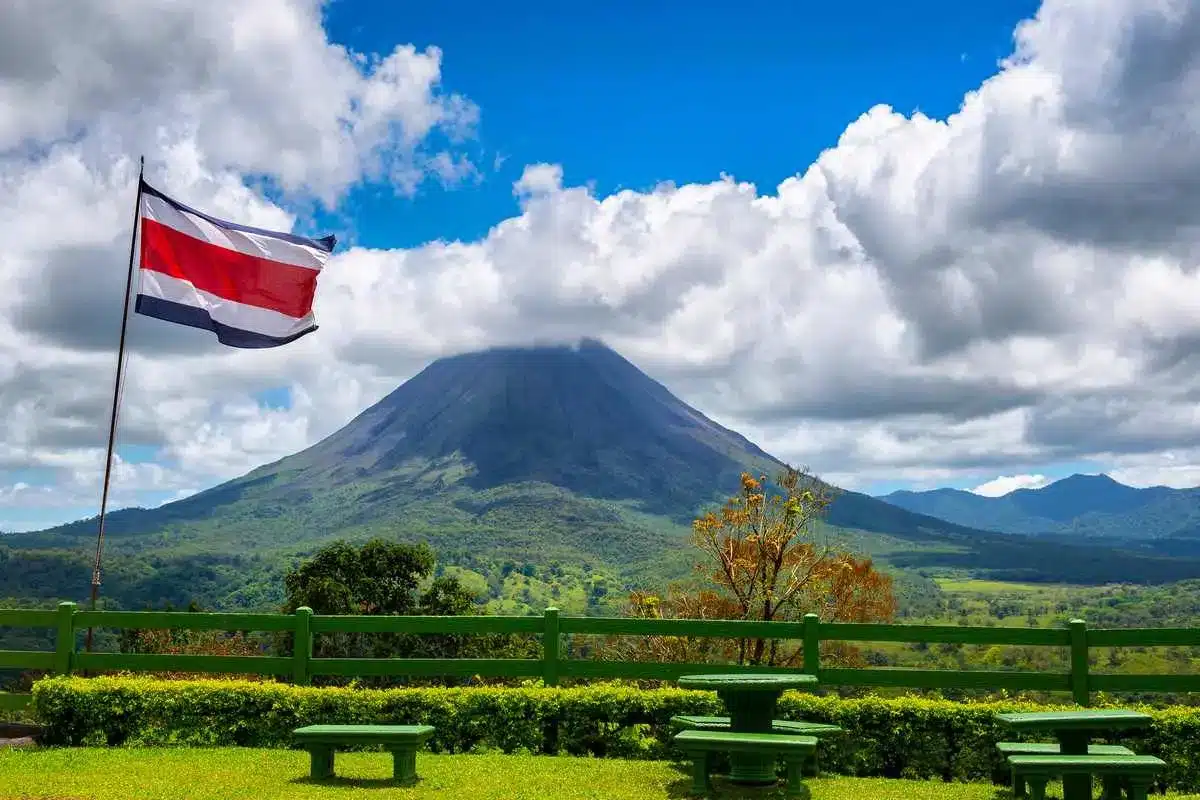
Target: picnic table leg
1076 786
1138 790
1112 788
321 762
751 712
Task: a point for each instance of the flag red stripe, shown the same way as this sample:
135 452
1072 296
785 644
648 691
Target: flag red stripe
228 274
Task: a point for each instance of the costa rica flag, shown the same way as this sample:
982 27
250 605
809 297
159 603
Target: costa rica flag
251 287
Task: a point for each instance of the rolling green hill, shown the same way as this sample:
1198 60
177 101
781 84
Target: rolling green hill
1078 508
568 463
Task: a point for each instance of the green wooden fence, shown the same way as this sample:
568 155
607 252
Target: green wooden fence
301 666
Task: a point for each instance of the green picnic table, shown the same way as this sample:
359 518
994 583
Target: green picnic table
1073 730
751 699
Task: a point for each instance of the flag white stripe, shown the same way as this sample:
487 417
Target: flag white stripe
235 315
251 244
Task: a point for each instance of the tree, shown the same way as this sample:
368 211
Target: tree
380 577
385 578
760 562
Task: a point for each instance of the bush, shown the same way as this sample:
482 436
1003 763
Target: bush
891 737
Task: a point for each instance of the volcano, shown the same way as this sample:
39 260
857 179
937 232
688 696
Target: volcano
540 455
580 418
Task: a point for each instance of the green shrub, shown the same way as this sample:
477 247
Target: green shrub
891 737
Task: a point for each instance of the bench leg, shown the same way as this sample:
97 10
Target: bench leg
1037 787
404 765
1112 787
1018 784
320 762
814 765
700 782
796 788
1138 790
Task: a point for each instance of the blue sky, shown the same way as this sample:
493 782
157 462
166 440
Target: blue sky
628 94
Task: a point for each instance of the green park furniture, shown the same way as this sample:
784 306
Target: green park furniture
785 726
1136 773
1073 729
751 699
402 741
1111 786
700 745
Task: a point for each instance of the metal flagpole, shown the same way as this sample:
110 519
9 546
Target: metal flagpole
112 423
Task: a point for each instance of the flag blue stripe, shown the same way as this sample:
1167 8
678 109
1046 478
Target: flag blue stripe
325 243
194 317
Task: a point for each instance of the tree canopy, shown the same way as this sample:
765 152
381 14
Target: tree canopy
760 561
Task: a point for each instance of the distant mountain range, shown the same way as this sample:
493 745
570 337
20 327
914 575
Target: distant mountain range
1078 507
538 455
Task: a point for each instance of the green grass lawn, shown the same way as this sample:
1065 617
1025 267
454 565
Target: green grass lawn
238 773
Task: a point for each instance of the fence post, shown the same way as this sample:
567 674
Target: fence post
812 645
64 639
1079 662
550 641
302 646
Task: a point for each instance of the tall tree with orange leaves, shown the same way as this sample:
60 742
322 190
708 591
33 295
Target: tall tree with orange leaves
761 558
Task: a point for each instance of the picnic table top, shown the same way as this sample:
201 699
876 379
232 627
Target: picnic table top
1091 719
748 681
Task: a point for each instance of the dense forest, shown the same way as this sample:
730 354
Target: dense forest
461 582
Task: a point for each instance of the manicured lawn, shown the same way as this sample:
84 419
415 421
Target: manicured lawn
219 773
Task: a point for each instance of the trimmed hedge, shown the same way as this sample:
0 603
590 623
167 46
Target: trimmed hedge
890 737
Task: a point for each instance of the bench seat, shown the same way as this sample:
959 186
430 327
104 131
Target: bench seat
784 726
1053 749
402 741
699 745
1135 772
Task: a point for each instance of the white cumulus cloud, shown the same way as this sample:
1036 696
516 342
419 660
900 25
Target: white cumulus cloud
998 487
1012 285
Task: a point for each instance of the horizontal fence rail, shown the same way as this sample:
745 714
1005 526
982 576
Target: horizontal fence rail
552 666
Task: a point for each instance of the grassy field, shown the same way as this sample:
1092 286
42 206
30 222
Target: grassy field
975 586
233 774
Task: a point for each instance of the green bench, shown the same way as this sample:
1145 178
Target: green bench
402 741
784 726
1135 772
700 745
1053 749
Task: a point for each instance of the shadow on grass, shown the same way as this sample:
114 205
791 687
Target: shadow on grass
722 789
357 783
